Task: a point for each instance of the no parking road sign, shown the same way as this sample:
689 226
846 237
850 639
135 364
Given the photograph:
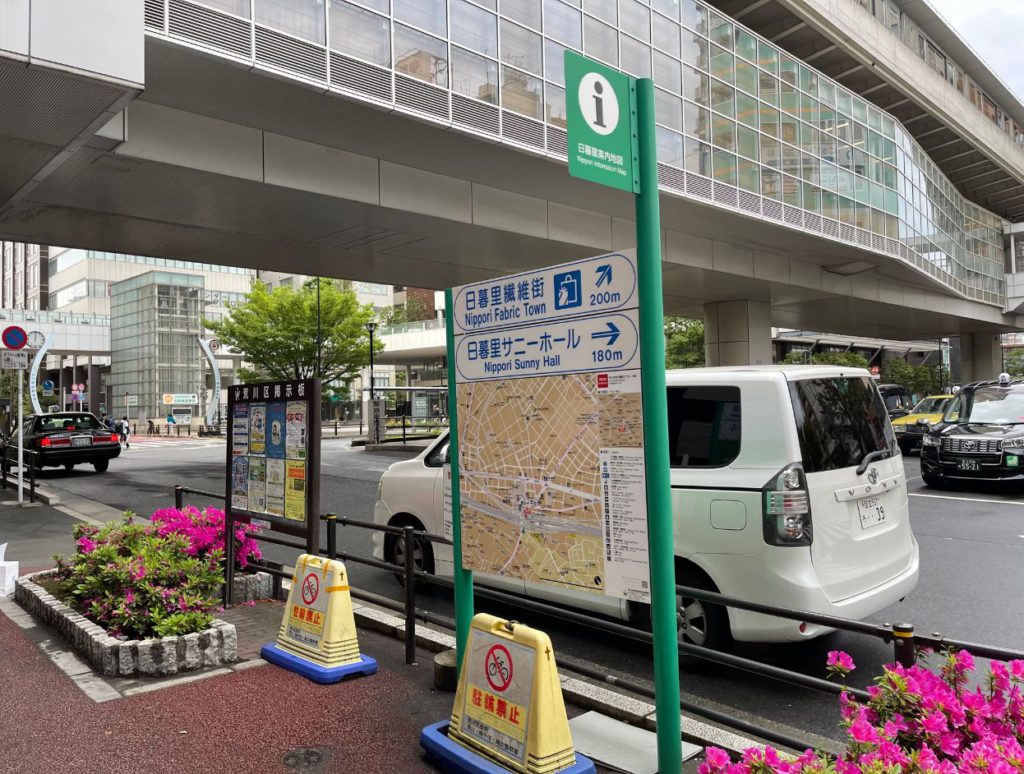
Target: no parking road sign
14 337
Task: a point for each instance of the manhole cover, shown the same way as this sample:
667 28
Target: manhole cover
306 758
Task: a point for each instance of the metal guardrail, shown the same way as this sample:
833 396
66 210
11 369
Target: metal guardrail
906 643
29 456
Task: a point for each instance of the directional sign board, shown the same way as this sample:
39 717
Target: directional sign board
10 360
547 372
601 122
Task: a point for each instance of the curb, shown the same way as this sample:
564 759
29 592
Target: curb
110 657
581 693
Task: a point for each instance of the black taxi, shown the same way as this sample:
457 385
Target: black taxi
981 436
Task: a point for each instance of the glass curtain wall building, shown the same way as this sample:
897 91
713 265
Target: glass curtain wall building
741 124
155 320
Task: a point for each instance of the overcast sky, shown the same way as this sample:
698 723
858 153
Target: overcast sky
995 30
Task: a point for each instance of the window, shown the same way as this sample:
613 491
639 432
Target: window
601 41
421 56
474 76
360 33
563 23
302 18
704 426
474 28
524 11
839 421
438 455
520 47
429 15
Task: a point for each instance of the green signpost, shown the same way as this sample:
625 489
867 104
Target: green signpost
612 142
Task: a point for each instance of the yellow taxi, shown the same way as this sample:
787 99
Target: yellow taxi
911 428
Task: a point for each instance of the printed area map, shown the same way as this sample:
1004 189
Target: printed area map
551 474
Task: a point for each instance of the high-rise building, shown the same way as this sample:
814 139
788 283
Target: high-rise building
24 269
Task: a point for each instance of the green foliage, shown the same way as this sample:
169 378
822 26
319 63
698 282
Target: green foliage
920 380
138 584
412 310
684 342
275 331
1014 363
843 359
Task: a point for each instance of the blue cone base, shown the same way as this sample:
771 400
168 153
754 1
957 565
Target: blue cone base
452 758
318 674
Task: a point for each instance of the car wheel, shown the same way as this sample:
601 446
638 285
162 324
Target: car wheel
69 466
394 551
700 623
101 466
935 482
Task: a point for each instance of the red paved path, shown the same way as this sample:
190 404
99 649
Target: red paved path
243 722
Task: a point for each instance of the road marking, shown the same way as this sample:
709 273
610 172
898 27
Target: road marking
965 499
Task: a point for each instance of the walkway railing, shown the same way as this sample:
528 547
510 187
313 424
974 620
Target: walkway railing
906 644
10 459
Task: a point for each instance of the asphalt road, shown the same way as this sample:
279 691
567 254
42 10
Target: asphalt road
972 575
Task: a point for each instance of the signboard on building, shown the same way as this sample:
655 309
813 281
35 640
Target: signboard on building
273 455
131 400
548 384
180 399
600 122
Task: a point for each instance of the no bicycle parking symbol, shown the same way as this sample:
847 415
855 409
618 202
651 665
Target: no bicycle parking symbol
499 668
310 589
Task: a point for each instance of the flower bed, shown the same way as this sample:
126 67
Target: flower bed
915 720
137 599
212 646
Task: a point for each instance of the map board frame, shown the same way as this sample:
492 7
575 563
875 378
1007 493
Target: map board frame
241 400
565 336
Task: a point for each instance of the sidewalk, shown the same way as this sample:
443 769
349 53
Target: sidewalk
57 715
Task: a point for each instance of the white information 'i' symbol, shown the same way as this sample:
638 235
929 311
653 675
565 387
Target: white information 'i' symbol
598 104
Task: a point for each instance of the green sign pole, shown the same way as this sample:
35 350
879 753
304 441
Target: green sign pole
463 577
660 532
610 123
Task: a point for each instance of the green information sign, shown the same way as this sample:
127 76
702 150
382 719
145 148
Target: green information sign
601 113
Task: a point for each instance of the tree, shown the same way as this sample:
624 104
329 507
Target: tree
1014 363
275 331
684 342
919 380
844 359
413 309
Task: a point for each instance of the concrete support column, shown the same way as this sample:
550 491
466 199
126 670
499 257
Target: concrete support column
981 356
737 333
94 389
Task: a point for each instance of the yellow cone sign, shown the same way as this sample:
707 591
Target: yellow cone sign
318 636
509 705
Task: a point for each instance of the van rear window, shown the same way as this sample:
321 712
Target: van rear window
839 421
704 426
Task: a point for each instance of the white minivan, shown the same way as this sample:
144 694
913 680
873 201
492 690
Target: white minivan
788 489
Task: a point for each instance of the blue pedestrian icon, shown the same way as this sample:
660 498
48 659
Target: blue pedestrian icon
568 289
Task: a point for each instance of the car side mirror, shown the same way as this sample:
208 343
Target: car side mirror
923 422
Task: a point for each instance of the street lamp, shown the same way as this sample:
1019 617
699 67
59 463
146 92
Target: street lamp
371 326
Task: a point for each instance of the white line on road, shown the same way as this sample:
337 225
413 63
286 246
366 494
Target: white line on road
965 499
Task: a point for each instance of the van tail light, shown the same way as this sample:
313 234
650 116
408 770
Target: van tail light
787 509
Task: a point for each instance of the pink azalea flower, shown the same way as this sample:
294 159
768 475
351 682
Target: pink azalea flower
840 660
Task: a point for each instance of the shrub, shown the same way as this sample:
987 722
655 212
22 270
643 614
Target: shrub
915 721
138 583
204 530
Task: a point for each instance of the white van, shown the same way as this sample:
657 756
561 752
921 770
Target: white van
788 489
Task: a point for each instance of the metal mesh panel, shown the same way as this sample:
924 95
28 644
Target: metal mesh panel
359 76
475 115
522 130
211 28
288 53
421 97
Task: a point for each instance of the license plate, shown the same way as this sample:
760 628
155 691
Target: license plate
871 512
81 440
974 465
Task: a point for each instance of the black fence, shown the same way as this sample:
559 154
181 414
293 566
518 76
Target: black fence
906 643
8 466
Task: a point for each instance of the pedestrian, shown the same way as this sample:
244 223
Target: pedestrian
125 432
151 430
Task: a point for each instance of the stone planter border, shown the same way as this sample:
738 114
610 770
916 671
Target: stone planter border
111 657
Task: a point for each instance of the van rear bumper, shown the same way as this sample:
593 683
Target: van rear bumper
796 587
